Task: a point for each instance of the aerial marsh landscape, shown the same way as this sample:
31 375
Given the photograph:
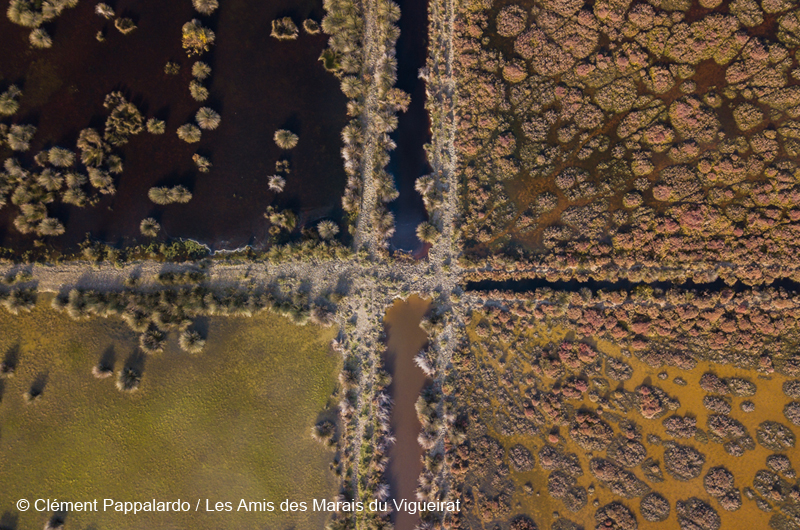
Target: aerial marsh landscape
479 264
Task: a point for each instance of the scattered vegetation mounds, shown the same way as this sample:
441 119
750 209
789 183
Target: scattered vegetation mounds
694 514
775 436
615 516
590 432
651 139
521 458
683 462
621 483
654 508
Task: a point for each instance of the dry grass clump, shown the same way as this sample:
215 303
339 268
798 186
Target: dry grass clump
285 139
207 118
39 38
124 25
104 10
284 29
149 227
311 27
281 219
156 126
327 229
9 100
205 7
172 68
203 164
325 433
276 183
197 90
129 379
60 157
191 341
428 233
200 70
189 133
196 38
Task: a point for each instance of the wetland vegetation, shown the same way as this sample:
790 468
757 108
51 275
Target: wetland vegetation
647 149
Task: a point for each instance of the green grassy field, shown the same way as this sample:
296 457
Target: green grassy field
231 423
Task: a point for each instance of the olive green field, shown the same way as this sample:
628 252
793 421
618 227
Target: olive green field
231 423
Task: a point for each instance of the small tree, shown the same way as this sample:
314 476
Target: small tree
196 38
190 341
180 194
197 90
207 118
200 70
40 39
427 233
149 227
129 379
50 227
277 183
104 10
9 103
285 139
152 340
159 195
156 126
60 157
19 137
189 133
327 229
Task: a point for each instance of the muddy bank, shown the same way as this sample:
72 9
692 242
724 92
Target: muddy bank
408 161
405 339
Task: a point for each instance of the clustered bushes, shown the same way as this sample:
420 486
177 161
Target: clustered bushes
164 195
154 314
32 14
344 56
18 300
512 382
9 100
628 156
196 38
57 177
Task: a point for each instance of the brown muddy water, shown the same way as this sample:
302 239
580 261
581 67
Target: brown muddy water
405 339
258 84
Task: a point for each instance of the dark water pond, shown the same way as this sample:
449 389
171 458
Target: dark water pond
408 160
258 85
405 339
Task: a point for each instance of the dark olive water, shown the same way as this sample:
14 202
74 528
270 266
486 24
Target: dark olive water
258 84
405 339
408 160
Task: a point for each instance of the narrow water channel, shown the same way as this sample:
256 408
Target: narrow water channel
408 161
405 339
